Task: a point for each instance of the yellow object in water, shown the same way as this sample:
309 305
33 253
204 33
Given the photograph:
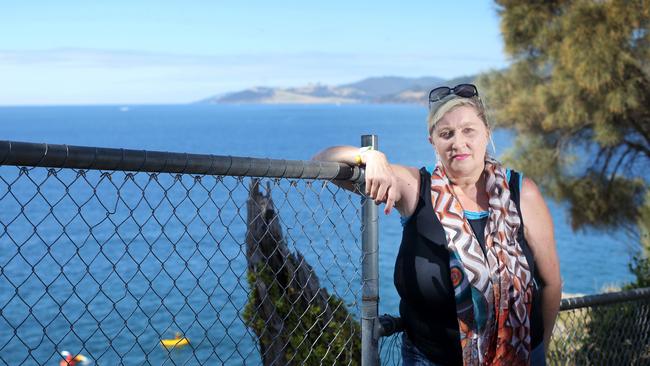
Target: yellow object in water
175 342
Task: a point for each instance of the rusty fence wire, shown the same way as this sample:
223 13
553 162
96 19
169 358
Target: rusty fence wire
604 329
146 258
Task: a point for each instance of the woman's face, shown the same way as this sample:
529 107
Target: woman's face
460 137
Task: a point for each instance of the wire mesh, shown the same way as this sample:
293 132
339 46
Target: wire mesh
616 333
607 329
110 263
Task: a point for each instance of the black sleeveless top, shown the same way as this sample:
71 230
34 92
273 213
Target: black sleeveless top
427 305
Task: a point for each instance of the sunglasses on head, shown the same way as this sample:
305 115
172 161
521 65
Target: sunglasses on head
462 90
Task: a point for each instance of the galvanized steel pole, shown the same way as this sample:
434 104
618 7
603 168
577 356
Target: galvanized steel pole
369 273
99 158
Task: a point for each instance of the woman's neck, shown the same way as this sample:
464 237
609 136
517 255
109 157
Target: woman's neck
470 191
467 182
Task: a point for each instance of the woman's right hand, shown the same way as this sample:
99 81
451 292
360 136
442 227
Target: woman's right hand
395 185
381 181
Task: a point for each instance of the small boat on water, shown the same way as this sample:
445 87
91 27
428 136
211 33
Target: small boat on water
70 360
177 342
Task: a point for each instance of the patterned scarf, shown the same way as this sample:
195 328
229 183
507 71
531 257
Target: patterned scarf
493 289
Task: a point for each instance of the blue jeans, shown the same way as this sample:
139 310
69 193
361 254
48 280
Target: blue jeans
538 356
411 355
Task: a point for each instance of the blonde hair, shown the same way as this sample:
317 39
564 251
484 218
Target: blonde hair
436 114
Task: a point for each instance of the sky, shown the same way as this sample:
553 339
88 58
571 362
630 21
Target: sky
156 52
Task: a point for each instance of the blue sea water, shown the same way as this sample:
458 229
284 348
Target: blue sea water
589 260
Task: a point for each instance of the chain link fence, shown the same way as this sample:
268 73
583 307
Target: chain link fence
131 257
135 257
604 329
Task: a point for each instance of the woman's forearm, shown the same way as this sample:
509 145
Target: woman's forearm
539 234
342 154
378 174
381 183
551 296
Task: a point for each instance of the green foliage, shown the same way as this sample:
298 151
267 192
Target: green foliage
578 96
609 334
309 337
594 199
644 225
640 268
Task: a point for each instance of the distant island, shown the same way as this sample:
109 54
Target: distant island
374 90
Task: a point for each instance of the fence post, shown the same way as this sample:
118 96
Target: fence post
369 273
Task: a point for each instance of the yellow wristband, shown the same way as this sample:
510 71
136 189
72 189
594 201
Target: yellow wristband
357 158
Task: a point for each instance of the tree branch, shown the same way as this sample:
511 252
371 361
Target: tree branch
638 147
618 163
642 131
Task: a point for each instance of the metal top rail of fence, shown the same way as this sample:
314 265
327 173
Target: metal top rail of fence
82 157
109 252
604 299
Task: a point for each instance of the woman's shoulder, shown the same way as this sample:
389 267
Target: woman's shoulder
532 202
530 192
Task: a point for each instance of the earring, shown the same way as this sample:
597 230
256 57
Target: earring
494 149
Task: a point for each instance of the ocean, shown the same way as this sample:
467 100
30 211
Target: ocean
589 260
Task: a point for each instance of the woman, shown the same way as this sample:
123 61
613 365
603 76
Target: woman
477 270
